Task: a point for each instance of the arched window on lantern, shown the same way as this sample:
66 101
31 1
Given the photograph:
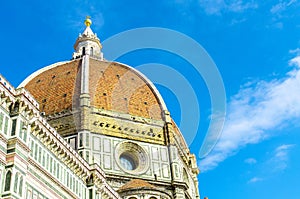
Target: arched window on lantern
92 51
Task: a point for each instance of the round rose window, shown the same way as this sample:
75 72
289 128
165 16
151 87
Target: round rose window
132 158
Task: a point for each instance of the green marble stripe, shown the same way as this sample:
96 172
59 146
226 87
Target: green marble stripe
48 184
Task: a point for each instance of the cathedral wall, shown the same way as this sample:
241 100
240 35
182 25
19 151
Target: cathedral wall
50 167
153 158
35 162
183 175
28 169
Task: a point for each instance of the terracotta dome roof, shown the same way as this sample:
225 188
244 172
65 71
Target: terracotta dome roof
112 86
135 184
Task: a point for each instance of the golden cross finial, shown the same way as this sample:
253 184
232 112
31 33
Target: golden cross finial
88 21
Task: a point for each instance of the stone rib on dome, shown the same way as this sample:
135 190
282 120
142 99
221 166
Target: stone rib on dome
113 86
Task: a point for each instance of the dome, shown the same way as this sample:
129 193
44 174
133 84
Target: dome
112 86
91 93
113 117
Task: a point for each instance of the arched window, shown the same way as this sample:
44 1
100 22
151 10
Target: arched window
83 50
16 183
91 51
21 186
7 181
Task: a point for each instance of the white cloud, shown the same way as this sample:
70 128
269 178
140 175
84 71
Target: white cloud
277 8
255 112
255 179
237 21
240 6
212 7
295 61
281 6
280 11
250 161
76 16
278 25
218 6
281 152
295 51
281 157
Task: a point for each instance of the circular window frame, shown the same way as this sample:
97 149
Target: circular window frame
137 153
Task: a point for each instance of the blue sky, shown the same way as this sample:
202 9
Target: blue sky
255 45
